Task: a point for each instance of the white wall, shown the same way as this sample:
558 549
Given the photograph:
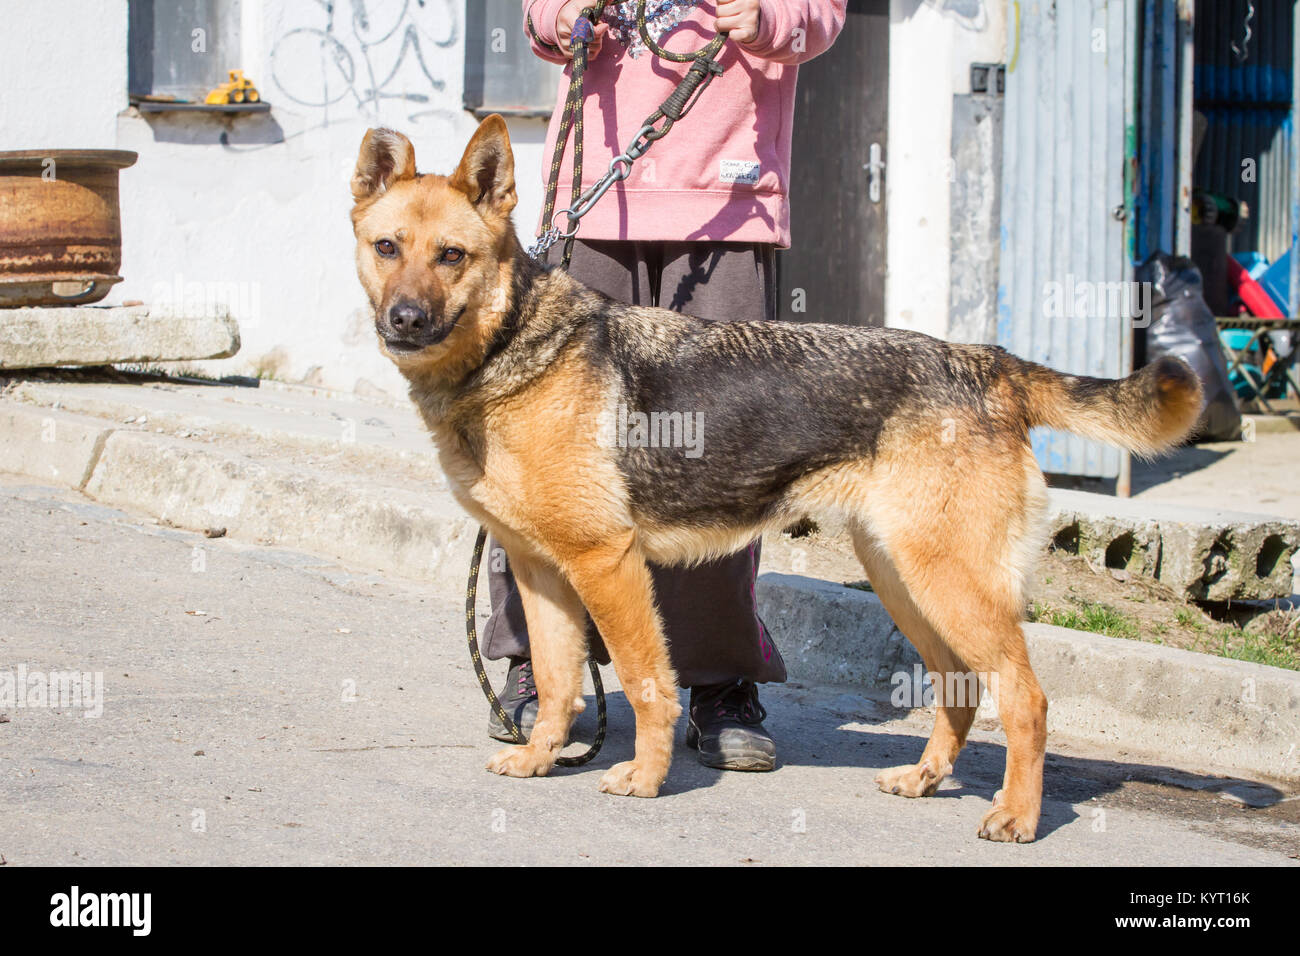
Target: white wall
923 33
63 73
255 208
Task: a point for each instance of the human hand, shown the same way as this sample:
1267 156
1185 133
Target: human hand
564 21
740 18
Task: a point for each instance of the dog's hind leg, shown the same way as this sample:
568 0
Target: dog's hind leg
956 696
960 549
557 639
981 629
614 583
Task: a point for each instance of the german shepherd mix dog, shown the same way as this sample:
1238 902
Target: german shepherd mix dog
919 446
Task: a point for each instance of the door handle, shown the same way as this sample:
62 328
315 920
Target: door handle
874 166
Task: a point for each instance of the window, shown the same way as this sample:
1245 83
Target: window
181 49
502 75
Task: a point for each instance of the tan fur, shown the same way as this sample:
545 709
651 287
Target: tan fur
946 514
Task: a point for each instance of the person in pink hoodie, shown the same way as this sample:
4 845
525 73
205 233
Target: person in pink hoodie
695 228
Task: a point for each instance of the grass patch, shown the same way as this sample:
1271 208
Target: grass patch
1094 618
1272 639
1070 593
1262 649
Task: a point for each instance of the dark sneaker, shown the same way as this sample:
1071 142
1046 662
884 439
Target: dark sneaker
726 727
519 700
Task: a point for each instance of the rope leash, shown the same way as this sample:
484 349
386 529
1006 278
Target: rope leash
679 102
687 92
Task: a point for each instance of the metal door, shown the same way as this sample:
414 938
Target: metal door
835 268
1068 178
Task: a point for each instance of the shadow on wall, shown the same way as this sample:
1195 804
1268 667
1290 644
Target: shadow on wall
215 129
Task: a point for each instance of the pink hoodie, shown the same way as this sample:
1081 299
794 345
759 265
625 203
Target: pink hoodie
722 174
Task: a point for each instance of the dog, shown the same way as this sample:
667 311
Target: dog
919 446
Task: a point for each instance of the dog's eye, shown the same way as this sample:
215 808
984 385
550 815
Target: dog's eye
386 248
452 256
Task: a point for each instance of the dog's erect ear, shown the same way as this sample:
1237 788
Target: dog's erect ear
386 157
486 173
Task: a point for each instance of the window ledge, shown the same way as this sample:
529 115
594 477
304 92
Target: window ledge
511 112
155 106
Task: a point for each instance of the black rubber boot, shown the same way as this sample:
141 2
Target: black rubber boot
726 727
519 700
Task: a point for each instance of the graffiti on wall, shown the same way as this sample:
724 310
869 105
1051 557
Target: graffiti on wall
357 55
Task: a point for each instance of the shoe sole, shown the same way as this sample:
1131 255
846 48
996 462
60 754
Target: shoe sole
750 761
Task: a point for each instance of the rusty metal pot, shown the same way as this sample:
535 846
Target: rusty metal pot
60 225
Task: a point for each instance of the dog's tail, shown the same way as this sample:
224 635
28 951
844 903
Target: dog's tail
1150 411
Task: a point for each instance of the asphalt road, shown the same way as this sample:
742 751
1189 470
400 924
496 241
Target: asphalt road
266 707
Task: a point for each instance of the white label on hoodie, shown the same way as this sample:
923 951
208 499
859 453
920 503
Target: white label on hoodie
739 171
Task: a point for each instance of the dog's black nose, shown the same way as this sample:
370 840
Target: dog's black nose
407 317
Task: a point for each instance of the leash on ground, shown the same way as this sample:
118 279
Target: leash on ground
701 72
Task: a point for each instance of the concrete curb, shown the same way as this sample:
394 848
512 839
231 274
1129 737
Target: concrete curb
192 486
420 466
45 337
1184 708
1181 707
52 446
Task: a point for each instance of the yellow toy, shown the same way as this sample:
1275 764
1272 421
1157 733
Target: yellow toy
237 90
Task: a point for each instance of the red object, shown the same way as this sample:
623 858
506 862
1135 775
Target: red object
1252 294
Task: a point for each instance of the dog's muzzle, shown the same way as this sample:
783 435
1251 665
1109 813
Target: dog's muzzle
408 328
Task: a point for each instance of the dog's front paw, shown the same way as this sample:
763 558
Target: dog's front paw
1005 824
521 762
629 779
911 780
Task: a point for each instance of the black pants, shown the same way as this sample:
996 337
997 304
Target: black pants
709 614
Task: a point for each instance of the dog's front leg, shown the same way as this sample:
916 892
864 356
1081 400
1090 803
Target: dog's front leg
615 585
558 643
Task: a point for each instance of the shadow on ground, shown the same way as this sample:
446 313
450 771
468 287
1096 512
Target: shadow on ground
852 732
1149 474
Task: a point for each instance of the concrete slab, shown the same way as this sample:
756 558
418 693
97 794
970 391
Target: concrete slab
88 335
1254 476
1281 424
1205 554
54 446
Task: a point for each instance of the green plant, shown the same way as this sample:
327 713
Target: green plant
1094 618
